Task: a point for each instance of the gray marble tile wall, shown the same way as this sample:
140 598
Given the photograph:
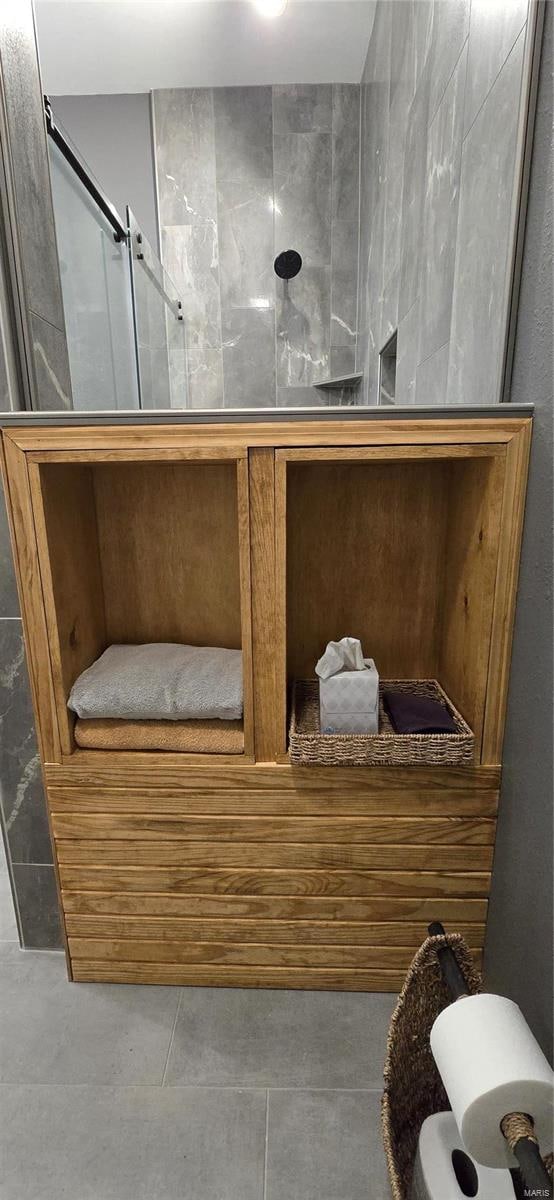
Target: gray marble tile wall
440 108
243 173
22 803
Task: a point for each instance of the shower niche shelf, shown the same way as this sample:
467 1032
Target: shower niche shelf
273 536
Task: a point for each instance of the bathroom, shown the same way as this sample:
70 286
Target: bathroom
159 161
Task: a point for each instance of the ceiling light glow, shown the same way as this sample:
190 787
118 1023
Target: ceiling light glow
270 8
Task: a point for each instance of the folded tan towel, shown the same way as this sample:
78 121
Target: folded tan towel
191 737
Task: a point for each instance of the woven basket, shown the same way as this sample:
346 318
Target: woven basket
309 747
413 1087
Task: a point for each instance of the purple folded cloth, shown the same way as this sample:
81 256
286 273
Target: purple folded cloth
410 713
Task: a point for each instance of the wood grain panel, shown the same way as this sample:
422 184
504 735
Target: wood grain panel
184 881
387 431
385 803
258 854
471 553
345 933
274 908
262 551
197 975
235 776
67 540
169 547
248 954
365 552
340 830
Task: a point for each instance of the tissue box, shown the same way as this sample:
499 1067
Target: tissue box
349 701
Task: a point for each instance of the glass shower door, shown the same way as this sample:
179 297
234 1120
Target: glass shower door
94 271
159 326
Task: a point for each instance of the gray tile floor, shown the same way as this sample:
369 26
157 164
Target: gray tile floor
154 1093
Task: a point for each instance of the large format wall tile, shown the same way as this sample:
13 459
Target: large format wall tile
245 228
303 320
190 257
302 108
9 604
184 151
38 906
205 378
484 224
346 144
492 32
22 798
344 270
302 178
413 197
450 30
249 358
51 365
432 378
444 151
243 124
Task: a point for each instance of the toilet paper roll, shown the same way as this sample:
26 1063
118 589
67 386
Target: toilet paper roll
491 1065
435 1175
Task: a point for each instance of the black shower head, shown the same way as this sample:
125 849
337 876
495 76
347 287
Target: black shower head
287 264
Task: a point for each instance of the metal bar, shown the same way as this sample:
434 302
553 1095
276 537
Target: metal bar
533 1171
76 163
452 975
233 416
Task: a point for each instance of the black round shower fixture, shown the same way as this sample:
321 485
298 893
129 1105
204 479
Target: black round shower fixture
287 264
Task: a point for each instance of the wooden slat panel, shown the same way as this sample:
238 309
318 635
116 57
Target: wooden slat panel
253 954
314 979
262 551
272 908
344 933
385 802
348 830
149 773
311 883
258 854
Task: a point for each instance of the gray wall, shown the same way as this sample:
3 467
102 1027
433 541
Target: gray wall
518 954
244 173
440 103
114 136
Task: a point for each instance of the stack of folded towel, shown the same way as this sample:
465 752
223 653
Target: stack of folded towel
161 696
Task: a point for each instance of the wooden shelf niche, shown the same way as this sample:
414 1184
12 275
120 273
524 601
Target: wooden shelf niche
397 546
140 551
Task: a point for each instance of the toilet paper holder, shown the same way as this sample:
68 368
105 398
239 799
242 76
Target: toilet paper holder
517 1128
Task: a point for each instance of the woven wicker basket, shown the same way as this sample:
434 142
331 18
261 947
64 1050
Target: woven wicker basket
309 747
413 1087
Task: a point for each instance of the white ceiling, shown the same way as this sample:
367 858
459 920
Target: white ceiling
98 46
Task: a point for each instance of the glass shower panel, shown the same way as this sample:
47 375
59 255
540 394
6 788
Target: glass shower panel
94 271
159 324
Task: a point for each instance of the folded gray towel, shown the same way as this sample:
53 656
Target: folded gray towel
161 681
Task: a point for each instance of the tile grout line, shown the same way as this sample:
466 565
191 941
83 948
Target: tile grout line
171 1040
264 1197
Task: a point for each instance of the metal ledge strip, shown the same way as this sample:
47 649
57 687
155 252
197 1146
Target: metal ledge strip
232 416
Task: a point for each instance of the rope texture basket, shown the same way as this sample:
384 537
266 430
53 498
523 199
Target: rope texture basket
309 747
413 1087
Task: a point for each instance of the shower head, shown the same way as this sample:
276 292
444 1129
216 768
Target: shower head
287 264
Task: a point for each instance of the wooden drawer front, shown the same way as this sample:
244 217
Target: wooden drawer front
171 930
252 855
90 905
218 831
292 887
393 801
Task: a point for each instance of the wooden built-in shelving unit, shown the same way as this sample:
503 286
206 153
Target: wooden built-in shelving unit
275 538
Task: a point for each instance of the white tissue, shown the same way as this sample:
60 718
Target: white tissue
491 1065
345 655
434 1177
